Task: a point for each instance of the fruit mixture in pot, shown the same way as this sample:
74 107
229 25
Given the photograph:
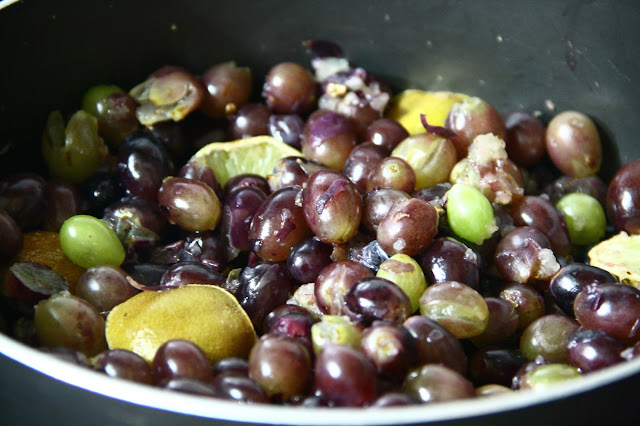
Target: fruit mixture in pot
320 241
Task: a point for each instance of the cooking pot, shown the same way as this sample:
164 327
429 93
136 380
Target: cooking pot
537 56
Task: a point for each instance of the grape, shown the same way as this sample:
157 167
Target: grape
238 209
194 169
377 203
11 235
115 111
277 225
289 88
386 132
570 279
73 151
249 120
192 386
247 179
391 347
170 93
181 358
281 366
287 128
308 258
612 308
205 247
374 298
68 321
333 283
23 197
503 322
432 158
435 383
293 324
361 162
449 260
547 337
137 221
584 216
344 376
186 272
292 171
332 206
102 190
142 164
495 366
406 273
231 366
392 172
227 88
592 350
525 138
573 144
524 255
435 344
539 213
89 242
124 364
548 375
528 302
408 227
335 329
622 202
329 140
63 201
457 307
472 117
263 287
190 204
104 286
239 388
469 213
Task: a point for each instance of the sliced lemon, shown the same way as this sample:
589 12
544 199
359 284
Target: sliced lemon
619 255
207 315
407 106
256 155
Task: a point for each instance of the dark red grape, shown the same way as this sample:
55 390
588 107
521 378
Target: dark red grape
142 164
11 235
24 197
238 209
277 225
408 227
361 162
592 350
329 140
344 376
571 279
525 138
289 88
391 347
249 120
612 308
307 259
392 172
332 206
181 358
287 128
124 364
333 283
292 171
281 366
435 383
376 298
104 286
447 259
227 88
623 198
386 132
262 288
495 366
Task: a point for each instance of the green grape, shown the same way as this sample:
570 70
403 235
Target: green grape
584 216
334 329
75 151
89 241
407 274
94 99
469 213
548 375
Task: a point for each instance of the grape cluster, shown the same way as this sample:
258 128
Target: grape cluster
378 268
